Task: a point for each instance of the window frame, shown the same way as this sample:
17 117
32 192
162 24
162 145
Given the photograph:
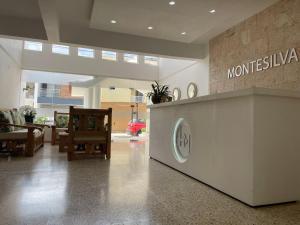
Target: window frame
149 61
108 59
60 53
90 50
39 44
132 54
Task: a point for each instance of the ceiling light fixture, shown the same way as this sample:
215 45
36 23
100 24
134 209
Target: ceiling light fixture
212 11
113 21
172 3
150 28
183 33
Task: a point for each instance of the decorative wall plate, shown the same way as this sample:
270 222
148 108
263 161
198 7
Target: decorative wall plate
192 90
176 94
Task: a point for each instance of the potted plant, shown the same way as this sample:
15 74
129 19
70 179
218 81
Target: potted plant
29 113
41 120
159 93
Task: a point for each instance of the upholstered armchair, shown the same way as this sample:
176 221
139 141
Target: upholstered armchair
17 135
61 121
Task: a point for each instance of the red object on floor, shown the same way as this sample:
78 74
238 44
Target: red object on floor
135 127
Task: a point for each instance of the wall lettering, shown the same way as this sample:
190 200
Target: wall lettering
261 64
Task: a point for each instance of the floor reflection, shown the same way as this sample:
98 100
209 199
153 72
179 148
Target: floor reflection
128 189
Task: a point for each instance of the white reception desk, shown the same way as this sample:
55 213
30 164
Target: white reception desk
244 143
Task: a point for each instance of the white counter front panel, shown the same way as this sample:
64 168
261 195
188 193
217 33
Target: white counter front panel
232 146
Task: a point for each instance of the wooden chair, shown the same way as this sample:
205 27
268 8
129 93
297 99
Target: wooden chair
90 129
58 127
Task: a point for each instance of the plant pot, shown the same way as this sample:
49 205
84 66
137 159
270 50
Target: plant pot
166 99
29 119
155 99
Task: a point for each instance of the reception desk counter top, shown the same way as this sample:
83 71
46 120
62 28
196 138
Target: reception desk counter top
232 94
244 143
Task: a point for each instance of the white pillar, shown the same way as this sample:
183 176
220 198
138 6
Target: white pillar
120 56
91 97
96 103
141 59
36 92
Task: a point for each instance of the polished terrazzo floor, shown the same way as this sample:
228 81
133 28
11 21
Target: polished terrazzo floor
129 189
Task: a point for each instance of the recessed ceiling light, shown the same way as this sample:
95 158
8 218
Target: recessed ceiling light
183 33
172 3
150 28
212 11
113 21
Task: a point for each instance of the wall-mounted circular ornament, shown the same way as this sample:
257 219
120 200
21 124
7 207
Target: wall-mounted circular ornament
176 94
182 140
192 90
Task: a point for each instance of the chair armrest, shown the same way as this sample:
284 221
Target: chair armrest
38 125
106 127
21 126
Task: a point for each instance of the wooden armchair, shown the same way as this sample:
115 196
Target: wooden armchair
20 136
61 121
91 130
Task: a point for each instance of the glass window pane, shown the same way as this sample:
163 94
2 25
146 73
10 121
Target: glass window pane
109 55
60 49
34 46
86 52
131 58
151 60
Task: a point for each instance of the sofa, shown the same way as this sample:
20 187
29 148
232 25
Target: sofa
18 136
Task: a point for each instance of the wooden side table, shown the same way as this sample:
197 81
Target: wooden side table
63 141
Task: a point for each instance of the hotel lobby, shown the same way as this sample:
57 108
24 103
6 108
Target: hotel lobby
150 112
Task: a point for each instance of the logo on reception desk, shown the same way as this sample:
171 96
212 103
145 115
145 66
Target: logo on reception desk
264 63
182 138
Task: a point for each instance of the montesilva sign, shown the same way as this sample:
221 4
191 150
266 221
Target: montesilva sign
267 62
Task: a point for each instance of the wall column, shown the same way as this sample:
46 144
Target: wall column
91 97
36 93
96 100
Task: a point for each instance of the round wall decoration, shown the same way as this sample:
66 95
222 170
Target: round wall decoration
192 90
182 138
176 94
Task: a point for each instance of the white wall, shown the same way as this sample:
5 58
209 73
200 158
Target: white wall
81 92
125 83
116 95
179 73
10 72
47 61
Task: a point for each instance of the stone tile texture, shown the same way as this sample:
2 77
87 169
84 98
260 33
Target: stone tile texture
275 29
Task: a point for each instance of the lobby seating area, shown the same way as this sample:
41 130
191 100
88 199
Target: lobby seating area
84 133
17 136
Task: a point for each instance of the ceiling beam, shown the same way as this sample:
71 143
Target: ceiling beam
50 19
105 39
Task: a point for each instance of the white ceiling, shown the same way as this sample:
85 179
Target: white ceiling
190 16
87 22
22 9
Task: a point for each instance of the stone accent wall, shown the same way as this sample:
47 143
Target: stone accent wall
275 29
